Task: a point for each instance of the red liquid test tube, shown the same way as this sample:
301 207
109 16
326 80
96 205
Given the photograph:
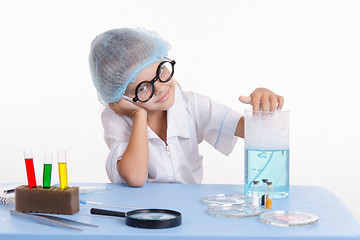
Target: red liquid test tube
30 171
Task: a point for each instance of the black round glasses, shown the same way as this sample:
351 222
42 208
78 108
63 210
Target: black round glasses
144 91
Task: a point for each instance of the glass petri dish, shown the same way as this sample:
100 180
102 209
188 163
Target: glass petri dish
235 210
288 218
213 200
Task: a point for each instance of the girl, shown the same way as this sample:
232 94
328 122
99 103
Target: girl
151 126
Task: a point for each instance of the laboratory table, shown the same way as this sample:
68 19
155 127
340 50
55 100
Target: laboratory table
335 219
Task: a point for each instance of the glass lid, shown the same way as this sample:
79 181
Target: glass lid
213 200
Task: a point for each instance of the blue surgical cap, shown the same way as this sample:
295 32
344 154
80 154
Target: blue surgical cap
118 56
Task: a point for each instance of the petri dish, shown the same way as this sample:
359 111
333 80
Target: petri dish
288 218
235 210
213 200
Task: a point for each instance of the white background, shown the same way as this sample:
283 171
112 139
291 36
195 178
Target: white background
307 51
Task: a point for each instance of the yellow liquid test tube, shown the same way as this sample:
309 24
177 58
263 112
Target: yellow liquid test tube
62 169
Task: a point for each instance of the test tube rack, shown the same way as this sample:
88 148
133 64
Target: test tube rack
51 200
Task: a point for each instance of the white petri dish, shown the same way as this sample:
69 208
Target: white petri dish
235 210
288 218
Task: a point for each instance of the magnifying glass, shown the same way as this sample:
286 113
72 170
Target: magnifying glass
145 218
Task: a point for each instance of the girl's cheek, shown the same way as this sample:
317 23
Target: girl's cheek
146 105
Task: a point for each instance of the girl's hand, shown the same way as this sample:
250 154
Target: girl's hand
125 107
263 99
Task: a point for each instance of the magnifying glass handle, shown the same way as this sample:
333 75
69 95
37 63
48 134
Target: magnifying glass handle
107 212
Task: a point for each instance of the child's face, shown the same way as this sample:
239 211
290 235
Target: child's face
164 93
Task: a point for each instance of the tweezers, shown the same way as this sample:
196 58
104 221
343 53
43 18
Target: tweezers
50 220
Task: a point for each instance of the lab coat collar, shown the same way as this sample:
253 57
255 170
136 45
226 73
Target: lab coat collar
178 125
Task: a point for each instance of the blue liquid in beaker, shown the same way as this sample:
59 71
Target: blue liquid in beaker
268 164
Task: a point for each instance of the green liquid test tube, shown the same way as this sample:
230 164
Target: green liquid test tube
62 169
47 175
48 157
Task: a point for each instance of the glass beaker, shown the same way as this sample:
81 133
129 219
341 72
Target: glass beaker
267 150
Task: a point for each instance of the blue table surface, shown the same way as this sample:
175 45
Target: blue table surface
335 219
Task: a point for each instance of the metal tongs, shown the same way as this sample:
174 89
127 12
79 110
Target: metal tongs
50 220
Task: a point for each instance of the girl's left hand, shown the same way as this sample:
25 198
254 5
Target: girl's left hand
263 99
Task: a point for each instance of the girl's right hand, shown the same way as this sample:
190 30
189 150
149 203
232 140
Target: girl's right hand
125 107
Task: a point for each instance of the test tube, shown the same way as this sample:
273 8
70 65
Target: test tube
269 195
61 156
48 157
263 190
255 193
30 171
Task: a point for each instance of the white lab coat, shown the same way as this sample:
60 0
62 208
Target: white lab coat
192 119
